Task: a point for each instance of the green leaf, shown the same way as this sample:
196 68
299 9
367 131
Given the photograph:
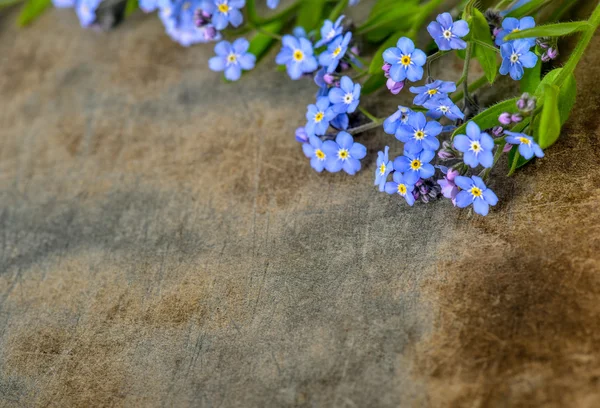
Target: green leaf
310 14
486 55
130 7
548 130
391 17
261 42
532 78
528 9
372 84
489 117
567 94
7 3
550 30
32 10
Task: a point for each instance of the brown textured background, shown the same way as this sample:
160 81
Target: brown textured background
163 242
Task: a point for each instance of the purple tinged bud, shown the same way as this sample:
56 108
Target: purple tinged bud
386 69
526 103
425 198
505 118
210 33
516 118
423 189
301 135
445 155
394 87
542 44
355 50
497 131
521 103
497 31
507 148
329 79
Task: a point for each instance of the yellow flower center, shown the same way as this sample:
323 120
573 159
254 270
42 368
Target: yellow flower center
337 51
298 55
515 30
231 58
223 8
524 140
382 169
320 155
419 135
415 164
432 92
319 117
405 60
476 192
343 154
476 146
402 189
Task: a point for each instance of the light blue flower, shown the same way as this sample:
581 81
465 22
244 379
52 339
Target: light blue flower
515 56
344 154
384 167
527 147
406 61
272 4
224 12
297 55
232 58
314 151
415 166
335 51
66 3
400 117
443 106
448 34
401 185
346 98
318 117
178 18
434 89
511 24
329 31
476 146
86 11
474 191
418 134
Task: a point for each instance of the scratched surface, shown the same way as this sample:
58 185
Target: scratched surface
163 242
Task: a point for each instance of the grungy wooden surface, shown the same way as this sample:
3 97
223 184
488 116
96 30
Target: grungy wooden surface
163 242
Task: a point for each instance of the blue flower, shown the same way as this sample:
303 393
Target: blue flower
318 117
406 61
178 17
415 166
401 185
400 117
443 106
341 121
476 146
314 151
346 97
224 12
343 154
527 147
475 192
68 3
331 57
232 58
301 135
329 31
447 34
272 4
384 167
511 24
418 134
86 11
436 88
297 55
515 56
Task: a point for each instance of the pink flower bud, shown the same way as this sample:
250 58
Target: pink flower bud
507 148
516 118
504 118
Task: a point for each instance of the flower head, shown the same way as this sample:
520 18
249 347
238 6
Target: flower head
329 31
224 12
331 57
443 106
435 89
474 191
400 117
297 55
232 58
449 187
527 147
515 56
71 3
384 168
476 146
346 97
418 134
272 4
401 185
415 166
86 11
448 34
344 154
511 25
318 116
406 61
179 18
301 135
314 151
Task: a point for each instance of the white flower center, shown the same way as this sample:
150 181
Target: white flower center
475 147
514 57
444 109
231 59
447 34
348 98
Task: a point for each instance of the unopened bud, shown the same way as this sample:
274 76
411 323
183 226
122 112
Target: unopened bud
504 118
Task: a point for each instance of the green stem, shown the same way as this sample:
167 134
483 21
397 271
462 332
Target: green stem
267 33
369 115
514 163
497 155
365 127
338 9
478 83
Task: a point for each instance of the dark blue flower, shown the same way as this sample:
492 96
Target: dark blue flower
384 167
318 116
448 34
314 151
329 31
344 154
511 25
515 56
475 192
297 55
443 106
331 57
232 58
272 4
476 146
406 61
418 134
401 185
415 166
224 12
527 147
400 117
434 89
346 97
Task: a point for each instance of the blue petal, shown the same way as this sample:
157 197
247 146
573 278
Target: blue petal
418 57
526 151
392 55
306 46
410 199
402 164
490 197
413 73
216 63
460 28
445 20
510 23
346 84
486 159
233 72
308 150
461 143
463 199
473 131
223 48
405 45
235 17
404 133
397 73
219 21
344 140
478 181
505 67
526 22
317 164
528 59
284 56
486 141
336 95
426 156
358 151
391 187
427 170
481 207
463 182
333 165
435 30
309 64
470 159
290 42
433 128
351 166
294 70
516 71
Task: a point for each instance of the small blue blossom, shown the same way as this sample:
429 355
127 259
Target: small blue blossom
415 166
418 134
318 116
401 185
299 32
476 146
329 31
400 117
344 154
70 3
272 4
406 61
448 34
86 11
297 55
341 121
224 12
515 56
335 51
314 151
511 25
346 97
527 147
384 167
178 17
474 191
354 2
443 106
301 135
232 58
434 89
